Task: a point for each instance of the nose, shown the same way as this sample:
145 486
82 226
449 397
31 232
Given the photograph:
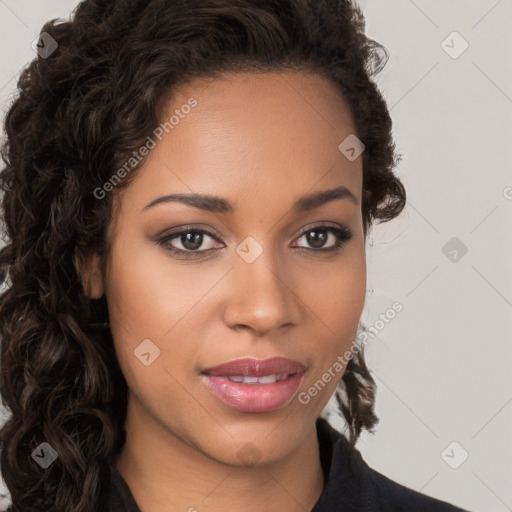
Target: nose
261 295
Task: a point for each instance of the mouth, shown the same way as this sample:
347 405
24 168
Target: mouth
252 379
255 385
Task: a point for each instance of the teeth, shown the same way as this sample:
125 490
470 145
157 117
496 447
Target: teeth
267 379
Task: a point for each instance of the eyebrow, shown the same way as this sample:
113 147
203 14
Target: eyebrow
219 205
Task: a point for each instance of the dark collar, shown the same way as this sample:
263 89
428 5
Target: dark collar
346 479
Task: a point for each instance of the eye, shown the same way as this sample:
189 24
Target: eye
190 240
319 236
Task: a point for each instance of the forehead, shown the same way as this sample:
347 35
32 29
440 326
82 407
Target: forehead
273 134
277 109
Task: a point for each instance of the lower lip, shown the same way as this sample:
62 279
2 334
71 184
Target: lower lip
254 397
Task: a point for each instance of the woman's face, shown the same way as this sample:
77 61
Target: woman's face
261 276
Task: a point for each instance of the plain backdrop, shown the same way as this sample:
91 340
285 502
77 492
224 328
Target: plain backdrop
443 364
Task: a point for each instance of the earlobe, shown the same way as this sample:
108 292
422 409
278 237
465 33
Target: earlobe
88 267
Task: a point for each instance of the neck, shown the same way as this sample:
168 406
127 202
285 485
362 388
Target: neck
165 473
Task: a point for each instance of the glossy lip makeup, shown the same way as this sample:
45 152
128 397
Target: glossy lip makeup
255 385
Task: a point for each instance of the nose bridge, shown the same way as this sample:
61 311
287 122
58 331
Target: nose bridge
262 299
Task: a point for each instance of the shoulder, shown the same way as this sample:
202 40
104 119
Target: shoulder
350 480
390 496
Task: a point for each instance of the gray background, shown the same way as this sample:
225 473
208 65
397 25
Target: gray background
443 364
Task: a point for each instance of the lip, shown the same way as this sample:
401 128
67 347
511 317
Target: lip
256 367
255 397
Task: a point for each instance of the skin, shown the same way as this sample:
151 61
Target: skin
261 141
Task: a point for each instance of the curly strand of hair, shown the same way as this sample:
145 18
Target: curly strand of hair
356 397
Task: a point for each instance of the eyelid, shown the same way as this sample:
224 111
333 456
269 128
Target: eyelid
321 224
215 234
186 228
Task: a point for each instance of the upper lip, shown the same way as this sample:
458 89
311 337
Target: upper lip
256 367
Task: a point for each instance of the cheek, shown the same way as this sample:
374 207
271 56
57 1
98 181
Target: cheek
337 294
149 297
148 301
335 299
146 292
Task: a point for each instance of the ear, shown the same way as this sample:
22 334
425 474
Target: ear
88 267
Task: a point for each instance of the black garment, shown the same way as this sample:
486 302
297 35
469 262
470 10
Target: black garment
350 484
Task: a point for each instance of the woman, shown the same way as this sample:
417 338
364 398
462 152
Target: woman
187 192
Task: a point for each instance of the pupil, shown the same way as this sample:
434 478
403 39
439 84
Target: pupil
192 241
317 238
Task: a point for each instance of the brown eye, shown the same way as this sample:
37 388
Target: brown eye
319 236
190 240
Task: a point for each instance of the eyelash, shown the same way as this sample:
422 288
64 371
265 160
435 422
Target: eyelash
344 235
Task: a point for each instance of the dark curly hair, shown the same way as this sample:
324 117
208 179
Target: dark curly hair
78 115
